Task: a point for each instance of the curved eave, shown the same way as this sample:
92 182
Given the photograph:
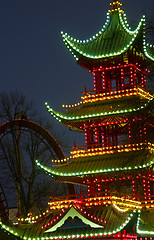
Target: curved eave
96 165
97 111
113 40
10 232
149 51
145 223
114 225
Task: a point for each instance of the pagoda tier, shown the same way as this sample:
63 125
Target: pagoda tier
103 170
101 108
93 218
114 42
117 117
116 164
117 120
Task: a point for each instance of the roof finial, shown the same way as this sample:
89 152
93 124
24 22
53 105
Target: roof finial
115 6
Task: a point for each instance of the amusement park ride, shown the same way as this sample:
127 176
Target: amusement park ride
116 164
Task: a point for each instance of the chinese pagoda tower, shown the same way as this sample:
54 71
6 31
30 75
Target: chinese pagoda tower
116 163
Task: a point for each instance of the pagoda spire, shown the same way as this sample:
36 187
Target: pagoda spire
115 6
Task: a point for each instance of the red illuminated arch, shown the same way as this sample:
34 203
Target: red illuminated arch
24 124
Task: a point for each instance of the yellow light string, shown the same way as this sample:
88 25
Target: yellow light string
121 204
33 219
111 150
96 201
105 150
91 98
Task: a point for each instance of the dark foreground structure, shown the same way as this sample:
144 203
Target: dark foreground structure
116 163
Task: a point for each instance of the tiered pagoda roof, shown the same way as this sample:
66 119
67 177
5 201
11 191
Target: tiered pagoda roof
121 103
96 214
111 161
115 38
73 219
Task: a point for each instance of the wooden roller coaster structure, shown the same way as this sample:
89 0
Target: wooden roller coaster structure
45 137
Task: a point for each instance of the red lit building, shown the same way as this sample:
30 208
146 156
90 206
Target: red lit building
116 163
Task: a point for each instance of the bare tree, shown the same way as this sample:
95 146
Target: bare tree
19 149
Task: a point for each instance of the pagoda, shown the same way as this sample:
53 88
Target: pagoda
116 163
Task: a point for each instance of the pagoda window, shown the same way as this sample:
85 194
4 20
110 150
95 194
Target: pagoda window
98 136
91 138
114 82
127 81
113 85
123 139
108 80
123 134
126 77
138 130
109 136
138 79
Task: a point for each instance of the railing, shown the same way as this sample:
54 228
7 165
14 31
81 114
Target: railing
115 94
93 150
93 199
86 196
107 92
97 149
94 96
103 145
100 198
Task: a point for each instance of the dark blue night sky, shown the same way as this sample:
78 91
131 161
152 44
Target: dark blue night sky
33 58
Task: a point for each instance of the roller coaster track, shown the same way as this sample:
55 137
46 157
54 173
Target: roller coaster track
43 134
37 129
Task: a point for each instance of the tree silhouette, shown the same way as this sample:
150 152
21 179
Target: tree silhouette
18 151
